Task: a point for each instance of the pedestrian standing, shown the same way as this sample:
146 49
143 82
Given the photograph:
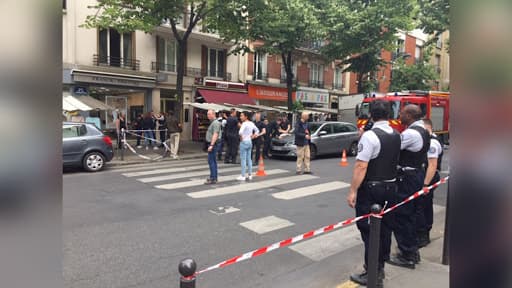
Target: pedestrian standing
259 137
267 138
302 141
162 126
223 120
120 124
148 125
248 132
284 125
232 137
413 156
212 136
137 126
425 218
374 182
174 127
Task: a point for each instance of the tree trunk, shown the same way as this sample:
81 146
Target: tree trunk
360 82
287 61
180 69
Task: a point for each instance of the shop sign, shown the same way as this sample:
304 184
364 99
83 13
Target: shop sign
313 96
113 80
269 93
79 90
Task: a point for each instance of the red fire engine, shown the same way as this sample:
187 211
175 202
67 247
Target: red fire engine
434 104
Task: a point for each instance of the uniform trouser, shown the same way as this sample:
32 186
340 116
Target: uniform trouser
257 148
233 142
303 157
404 225
266 146
367 195
425 210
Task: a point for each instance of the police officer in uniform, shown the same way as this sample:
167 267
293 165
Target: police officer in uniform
425 218
374 182
413 156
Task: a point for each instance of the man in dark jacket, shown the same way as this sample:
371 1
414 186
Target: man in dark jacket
174 128
302 141
232 137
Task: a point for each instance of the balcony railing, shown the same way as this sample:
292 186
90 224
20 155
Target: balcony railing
283 79
226 76
316 84
260 76
157 67
337 86
125 63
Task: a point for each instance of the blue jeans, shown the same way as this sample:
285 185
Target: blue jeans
148 134
245 156
212 162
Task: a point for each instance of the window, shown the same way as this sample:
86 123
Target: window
439 43
317 72
294 71
115 49
64 4
260 66
327 128
166 55
338 78
72 131
340 128
417 54
216 60
438 63
351 128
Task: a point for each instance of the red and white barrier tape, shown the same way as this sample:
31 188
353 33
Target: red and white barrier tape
313 233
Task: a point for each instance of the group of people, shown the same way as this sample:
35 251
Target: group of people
240 133
146 127
389 168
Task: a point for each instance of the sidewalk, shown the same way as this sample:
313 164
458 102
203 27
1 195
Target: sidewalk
187 150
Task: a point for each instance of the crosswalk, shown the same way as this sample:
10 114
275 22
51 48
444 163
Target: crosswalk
188 177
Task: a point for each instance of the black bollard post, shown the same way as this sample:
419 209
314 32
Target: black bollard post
373 254
447 222
187 269
123 141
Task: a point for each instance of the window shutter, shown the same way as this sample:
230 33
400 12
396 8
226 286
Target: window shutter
204 59
226 64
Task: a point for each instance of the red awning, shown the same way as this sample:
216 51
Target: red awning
221 97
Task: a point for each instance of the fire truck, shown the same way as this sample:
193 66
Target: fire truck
434 105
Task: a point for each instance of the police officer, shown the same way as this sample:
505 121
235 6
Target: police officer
425 217
413 156
374 182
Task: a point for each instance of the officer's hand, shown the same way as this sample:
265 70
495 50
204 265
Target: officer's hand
351 199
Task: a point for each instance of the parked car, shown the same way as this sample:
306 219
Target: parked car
84 145
327 138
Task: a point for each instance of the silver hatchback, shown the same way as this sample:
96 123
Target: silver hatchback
328 138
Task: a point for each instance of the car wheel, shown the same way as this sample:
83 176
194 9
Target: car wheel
93 162
352 151
312 152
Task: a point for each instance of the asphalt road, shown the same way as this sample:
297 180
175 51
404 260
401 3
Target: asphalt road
130 226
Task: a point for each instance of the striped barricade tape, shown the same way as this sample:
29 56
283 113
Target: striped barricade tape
313 233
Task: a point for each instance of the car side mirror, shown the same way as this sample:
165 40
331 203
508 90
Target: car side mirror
322 133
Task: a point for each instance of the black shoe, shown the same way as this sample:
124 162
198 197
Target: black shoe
210 181
362 279
308 172
417 257
401 261
423 240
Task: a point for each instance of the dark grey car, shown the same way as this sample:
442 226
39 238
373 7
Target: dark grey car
85 146
328 138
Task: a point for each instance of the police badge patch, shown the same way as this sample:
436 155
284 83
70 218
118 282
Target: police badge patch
432 150
360 147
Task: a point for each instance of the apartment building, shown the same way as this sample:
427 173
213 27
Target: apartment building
135 72
441 61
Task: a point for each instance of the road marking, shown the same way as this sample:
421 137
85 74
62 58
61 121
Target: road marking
191 183
224 210
186 175
245 187
329 244
266 224
161 164
310 190
170 170
348 284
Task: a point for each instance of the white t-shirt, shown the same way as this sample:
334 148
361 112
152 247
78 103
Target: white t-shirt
435 149
248 128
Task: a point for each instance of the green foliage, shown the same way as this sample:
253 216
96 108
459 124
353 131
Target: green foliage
419 76
434 16
359 29
297 106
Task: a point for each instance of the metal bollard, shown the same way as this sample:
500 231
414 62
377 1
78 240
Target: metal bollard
447 223
123 141
187 269
373 254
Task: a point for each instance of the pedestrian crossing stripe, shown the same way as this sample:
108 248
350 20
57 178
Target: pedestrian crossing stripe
170 170
155 165
185 175
266 224
310 190
192 183
245 187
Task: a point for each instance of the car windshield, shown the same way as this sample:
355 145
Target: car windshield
364 110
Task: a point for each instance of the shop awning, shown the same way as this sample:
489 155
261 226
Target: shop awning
216 96
94 103
209 106
70 103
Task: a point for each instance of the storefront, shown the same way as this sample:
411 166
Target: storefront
121 93
269 95
313 97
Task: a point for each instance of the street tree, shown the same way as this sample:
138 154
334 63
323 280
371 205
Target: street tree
418 76
358 30
146 15
434 17
278 27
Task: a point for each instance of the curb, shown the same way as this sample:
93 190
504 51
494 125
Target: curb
115 163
